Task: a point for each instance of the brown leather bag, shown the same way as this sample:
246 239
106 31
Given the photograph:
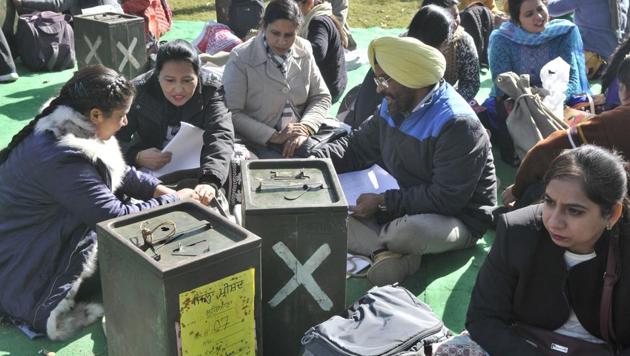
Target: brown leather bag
554 344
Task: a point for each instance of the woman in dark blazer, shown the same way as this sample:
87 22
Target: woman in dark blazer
546 265
177 91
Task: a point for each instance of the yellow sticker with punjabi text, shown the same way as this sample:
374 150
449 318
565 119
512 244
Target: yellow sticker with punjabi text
218 318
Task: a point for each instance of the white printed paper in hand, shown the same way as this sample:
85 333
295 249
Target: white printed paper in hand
186 149
372 180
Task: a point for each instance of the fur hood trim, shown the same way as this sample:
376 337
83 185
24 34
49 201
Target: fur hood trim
69 316
74 130
65 120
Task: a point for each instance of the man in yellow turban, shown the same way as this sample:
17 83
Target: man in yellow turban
429 139
411 63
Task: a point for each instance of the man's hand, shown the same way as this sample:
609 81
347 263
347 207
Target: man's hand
206 193
292 144
508 197
153 158
367 205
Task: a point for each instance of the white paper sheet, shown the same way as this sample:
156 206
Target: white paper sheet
186 150
372 180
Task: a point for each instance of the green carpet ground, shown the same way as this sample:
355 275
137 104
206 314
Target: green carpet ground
444 281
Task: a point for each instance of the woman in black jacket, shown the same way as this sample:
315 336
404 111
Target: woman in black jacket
328 39
546 265
176 91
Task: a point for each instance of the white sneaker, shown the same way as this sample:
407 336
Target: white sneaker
7 78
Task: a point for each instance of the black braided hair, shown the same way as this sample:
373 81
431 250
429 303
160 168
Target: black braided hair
89 88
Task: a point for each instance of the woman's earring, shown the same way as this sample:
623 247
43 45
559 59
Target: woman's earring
609 227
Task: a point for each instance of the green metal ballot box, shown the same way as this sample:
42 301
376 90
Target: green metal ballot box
180 279
298 209
113 40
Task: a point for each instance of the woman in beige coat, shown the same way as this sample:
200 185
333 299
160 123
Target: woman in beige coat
273 87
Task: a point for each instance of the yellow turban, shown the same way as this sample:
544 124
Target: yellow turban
409 61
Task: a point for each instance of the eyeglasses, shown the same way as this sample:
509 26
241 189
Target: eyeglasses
382 82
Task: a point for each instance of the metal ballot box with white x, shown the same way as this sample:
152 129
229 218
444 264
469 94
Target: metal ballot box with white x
298 209
113 40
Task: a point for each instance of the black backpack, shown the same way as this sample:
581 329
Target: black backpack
244 15
45 41
388 320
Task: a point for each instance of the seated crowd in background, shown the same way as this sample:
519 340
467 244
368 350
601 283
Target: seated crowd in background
608 129
602 24
435 26
462 59
529 40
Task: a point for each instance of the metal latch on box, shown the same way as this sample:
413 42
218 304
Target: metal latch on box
149 242
192 249
275 175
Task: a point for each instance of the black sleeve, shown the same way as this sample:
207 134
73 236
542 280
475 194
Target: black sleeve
359 150
319 36
489 319
218 141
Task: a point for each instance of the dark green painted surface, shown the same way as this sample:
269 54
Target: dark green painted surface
141 295
303 245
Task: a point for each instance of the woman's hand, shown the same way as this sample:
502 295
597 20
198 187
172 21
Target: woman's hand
187 193
293 144
297 129
278 138
153 158
508 197
206 193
